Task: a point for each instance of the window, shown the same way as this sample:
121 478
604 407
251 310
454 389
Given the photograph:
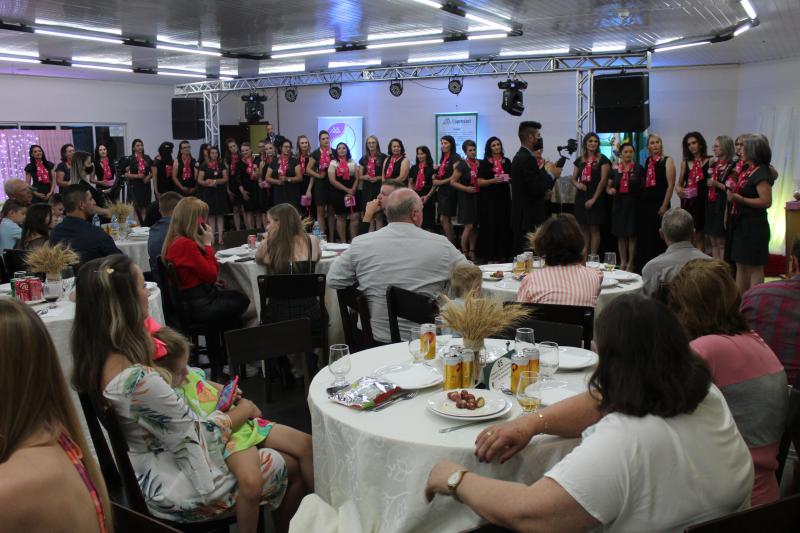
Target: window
82 137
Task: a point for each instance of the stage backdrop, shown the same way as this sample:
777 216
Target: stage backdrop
348 130
462 126
15 145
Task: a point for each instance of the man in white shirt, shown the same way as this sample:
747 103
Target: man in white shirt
400 254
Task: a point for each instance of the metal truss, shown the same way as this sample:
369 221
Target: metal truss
585 103
211 117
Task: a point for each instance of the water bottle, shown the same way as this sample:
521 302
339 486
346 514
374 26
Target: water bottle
114 227
96 220
315 231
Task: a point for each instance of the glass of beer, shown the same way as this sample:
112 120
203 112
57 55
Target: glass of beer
529 391
610 260
415 344
593 261
520 264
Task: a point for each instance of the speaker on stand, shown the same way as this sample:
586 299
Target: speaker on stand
621 102
187 118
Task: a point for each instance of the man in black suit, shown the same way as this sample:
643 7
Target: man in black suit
530 186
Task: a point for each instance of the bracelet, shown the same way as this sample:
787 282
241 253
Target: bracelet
543 419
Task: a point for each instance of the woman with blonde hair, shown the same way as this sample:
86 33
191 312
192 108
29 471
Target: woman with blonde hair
654 201
720 168
48 477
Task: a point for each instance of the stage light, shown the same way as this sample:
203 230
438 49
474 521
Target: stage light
290 94
253 108
512 96
396 88
455 85
335 91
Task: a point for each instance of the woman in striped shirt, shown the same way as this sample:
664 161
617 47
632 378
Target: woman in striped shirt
564 280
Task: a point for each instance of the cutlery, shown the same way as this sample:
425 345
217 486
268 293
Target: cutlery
399 398
454 428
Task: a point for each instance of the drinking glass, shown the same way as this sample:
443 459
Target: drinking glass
592 260
524 339
415 344
323 240
68 277
444 334
339 363
538 262
520 262
548 359
528 261
610 259
52 290
529 391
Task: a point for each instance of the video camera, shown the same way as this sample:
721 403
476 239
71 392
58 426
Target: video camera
571 147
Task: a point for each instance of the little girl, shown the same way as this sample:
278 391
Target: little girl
244 435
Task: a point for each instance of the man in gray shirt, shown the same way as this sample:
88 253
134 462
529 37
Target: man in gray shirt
677 230
400 254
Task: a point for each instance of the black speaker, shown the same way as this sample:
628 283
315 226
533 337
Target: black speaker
621 102
187 118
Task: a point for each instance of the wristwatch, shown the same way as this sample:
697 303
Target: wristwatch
455 480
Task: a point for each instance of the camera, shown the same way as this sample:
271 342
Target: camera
571 146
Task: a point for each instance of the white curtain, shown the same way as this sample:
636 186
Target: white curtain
781 125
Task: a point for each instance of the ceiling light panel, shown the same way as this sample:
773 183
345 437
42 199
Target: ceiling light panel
307 44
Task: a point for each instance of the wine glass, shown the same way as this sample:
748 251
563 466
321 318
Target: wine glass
593 260
68 277
610 260
339 363
524 339
538 262
415 344
529 391
548 359
52 290
444 334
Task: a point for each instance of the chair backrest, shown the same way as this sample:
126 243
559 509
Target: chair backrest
129 521
416 308
354 308
4 277
232 239
15 260
267 341
290 287
791 432
175 311
107 466
562 314
662 293
561 334
782 516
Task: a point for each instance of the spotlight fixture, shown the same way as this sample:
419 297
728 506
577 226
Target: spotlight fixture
455 85
512 96
335 91
396 88
253 108
290 94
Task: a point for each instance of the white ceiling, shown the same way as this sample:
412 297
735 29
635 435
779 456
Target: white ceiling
252 28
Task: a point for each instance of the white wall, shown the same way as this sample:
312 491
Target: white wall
764 85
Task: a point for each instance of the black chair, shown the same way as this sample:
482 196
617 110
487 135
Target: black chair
129 521
782 516
561 314
15 260
232 239
354 308
104 457
416 308
791 432
295 286
270 341
4 277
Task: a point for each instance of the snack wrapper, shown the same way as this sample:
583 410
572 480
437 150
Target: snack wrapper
366 393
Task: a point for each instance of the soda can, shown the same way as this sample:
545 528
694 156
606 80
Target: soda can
251 242
22 289
520 362
467 368
35 286
13 284
533 358
427 340
452 371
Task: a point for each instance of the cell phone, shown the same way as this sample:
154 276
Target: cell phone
227 395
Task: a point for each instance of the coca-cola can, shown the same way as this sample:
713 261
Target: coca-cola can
22 289
35 285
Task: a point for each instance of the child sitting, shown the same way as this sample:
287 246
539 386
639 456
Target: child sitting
465 279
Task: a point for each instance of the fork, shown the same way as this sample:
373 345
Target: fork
407 396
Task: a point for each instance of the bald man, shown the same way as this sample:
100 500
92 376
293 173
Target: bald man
18 190
401 254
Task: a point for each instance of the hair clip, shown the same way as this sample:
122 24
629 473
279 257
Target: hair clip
109 271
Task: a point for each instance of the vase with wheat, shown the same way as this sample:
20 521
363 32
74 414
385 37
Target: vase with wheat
477 319
51 260
122 212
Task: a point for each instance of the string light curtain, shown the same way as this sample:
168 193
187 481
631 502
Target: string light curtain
14 146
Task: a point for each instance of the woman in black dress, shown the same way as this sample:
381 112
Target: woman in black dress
137 174
39 175
420 178
63 168
301 169
105 175
286 184
465 181
212 182
247 184
659 182
720 168
446 201
590 178
395 166
265 162
370 174
344 181
318 168
494 203
202 154
625 185
692 186
750 198
184 173
231 161
162 169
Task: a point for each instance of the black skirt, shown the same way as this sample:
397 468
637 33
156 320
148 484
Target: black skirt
139 192
369 192
623 216
212 304
216 198
595 216
446 201
750 244
467 207
321 191
715 215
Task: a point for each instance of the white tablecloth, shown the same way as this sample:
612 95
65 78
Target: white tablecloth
136 249
244 278
381 460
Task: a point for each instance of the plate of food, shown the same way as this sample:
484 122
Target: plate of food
410 376
497 275
468 403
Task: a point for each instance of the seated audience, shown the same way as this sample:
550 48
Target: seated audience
706 301
18 190
677 230
36 228
400 254
375 206
465 279
773 311
49 480
77 231
564 280
12 215
178 456
659 448
158 231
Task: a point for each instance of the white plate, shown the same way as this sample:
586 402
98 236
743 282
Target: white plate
504 412
336 246
327 254
505 267
239 250
410 376
487 276
607 283
621 275
442 405
572 358
556 394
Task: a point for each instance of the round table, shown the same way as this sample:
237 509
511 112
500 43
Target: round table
136 249
381 460
507 288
